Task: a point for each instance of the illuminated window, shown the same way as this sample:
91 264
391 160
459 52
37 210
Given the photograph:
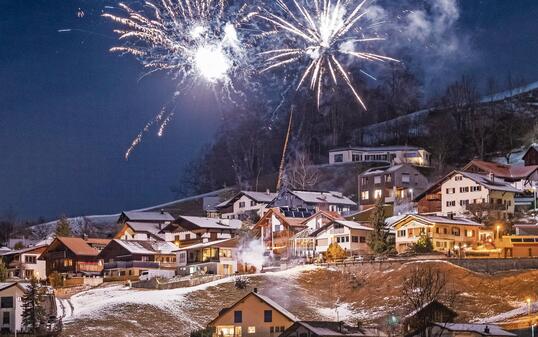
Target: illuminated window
378 194
251 329
365 195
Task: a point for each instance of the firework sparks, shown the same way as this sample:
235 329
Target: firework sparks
318 35
190 39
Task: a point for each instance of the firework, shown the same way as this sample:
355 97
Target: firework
193 40
319 35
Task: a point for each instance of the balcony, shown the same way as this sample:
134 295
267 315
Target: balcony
486 206
131 264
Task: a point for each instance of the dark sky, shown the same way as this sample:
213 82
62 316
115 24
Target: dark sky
69 108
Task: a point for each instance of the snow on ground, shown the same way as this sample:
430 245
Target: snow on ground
341 312
90 303
521 311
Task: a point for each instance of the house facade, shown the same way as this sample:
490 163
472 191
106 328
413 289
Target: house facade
74 256
390 154
190 230
462 330
394 185
531 156
254 315
127 259
524 178
135 225
245 205
213 258
316 200
446 233
351 236
25 263
329 329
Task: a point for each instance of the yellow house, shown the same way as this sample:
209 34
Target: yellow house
446 233
254 315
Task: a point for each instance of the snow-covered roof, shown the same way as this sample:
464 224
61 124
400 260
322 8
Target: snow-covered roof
384 170
436 219
497 184
206 244
134 247
510 93
214 223
353 225
378 148
316 197
276 306
482 329
147 247
144 227
261 197
148 216
337 329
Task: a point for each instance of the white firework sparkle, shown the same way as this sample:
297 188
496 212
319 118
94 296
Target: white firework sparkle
318 35
193 40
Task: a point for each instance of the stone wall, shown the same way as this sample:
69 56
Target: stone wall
497 265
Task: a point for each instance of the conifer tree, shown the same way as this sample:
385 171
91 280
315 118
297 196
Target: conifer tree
378 240
62 227
3 271
33 313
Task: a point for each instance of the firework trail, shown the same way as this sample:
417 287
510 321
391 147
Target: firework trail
192 40
319 36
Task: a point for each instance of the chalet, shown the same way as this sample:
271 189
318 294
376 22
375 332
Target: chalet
254 315
521 177
138 226
329 329
393 184
189 230
462 329
279 225
74 256
447 233
349 235
12 306
531 156
517 246
127 259
389 154
245 205
214 257
317 200
462 192
420 318
25 264
303 244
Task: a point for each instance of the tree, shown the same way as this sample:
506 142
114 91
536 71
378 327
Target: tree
378 240
335 252
33 313
423 245
300 174
55 279
3 271
62 227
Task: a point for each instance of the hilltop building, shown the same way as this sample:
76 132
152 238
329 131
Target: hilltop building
393 155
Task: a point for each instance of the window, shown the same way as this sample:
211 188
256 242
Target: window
338 158
238 317
445 230
268 316
455 231
401 233
252 203
469 233
406 178
458 178
32 259
464 202
363 239
272 329
356 157
437 230
251 329
5 318
365 195
6 302
364 181
377 180
378 194
241 204
388 178
176 238
277 228
355 239
451 203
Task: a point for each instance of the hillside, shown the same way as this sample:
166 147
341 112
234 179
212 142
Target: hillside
308 292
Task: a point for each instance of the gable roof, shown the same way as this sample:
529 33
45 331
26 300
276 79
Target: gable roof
379 148
346 223
147 247
429 304
480 329
497 184
195 222
319 197
147 216
502 170
336 329
296 222
261 197
7 285
225 243
79 246
264 299
533 147
435 219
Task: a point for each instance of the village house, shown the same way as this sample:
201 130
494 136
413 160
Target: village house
189 230
462 192
74 256
254 315
521 177
143 225
317 200
351 236
329 329
11 306
446 233
517 246
397 154
279 225
245 205
127 259
25 264
393 184
303 244
531 156
214 258
433 311
462 330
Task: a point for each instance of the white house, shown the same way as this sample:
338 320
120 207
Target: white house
215 257
143 225
397 154
245 204
351 236
25 264
461 191
188 230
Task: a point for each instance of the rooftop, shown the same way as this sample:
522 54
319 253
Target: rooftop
378 148
261 197
316 197
148 216
212 223
482 329
495 184
502 170
332 328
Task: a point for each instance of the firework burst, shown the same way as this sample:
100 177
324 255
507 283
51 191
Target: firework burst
319 35
193 40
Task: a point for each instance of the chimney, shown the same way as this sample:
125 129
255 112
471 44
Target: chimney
451 215
491 176
162 210
267 191
85 237
255 290
486 329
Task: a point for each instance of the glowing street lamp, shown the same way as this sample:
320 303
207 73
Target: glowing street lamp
498 229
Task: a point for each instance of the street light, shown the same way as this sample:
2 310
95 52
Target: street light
498 229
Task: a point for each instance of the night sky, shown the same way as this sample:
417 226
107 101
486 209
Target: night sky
69 109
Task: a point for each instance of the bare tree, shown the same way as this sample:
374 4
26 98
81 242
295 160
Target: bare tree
300 173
